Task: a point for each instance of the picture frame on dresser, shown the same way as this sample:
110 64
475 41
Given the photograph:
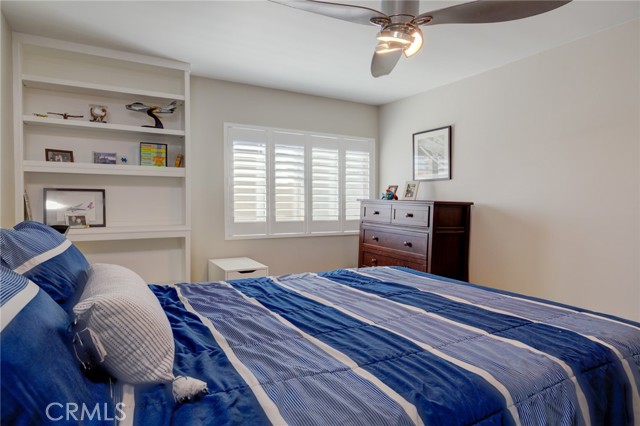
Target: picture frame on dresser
410 191
64 206
432 154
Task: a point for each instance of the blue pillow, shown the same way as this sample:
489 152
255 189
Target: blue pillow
47 258
40 374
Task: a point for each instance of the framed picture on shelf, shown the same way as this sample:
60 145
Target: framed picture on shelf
432 154
75 207
58 155
410 191
104 157
153 154
77 221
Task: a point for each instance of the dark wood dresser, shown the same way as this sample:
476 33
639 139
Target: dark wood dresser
430 236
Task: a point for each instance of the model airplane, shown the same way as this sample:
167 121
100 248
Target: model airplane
153 110
78 207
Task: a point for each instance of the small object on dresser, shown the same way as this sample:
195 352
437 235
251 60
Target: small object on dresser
410 190
98 113
390 193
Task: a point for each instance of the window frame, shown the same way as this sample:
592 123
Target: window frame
272 229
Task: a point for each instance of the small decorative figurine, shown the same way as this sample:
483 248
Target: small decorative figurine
98 113
390 193
153 110
123 160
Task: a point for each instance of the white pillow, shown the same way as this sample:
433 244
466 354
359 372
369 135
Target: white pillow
129 323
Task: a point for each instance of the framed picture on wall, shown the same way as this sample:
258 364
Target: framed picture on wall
74 207
432 154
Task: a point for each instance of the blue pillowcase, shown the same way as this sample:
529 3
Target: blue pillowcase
47 258
40 374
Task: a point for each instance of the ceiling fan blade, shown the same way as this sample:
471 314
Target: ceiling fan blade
345 12
485 11
383 63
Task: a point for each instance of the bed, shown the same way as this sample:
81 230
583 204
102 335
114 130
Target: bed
369 346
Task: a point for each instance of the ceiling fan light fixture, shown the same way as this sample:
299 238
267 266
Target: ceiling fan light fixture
395 34
414 47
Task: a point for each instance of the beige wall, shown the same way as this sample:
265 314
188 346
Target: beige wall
6 127
215 102
548 149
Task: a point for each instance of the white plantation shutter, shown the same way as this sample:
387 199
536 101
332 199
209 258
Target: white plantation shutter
357 180
246 184
325 184
290 183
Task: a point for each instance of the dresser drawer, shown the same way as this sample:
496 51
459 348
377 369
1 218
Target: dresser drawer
411 242
372 258
374 212
411 215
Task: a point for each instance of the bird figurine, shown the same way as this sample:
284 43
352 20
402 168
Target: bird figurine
153 110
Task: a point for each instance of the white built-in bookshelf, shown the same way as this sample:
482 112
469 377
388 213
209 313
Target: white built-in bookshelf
147 207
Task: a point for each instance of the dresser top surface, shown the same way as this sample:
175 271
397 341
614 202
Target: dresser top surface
465 203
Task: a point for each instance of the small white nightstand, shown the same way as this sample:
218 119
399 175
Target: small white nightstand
234 268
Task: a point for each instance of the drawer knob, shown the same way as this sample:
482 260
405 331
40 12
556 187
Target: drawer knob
407 244
408 215
376 212
374 238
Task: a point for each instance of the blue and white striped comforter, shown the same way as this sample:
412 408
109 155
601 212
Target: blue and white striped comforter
391 346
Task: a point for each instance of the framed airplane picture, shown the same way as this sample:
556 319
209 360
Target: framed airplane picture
75 207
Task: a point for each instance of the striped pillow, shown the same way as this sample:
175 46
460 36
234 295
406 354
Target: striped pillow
46 257
128 323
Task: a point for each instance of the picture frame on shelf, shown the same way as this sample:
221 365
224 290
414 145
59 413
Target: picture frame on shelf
104 157
76 221
153 154
410 191
62 206
432 154
58 155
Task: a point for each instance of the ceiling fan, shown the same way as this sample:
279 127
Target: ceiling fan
400 21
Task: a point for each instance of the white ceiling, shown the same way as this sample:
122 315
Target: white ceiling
267 44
